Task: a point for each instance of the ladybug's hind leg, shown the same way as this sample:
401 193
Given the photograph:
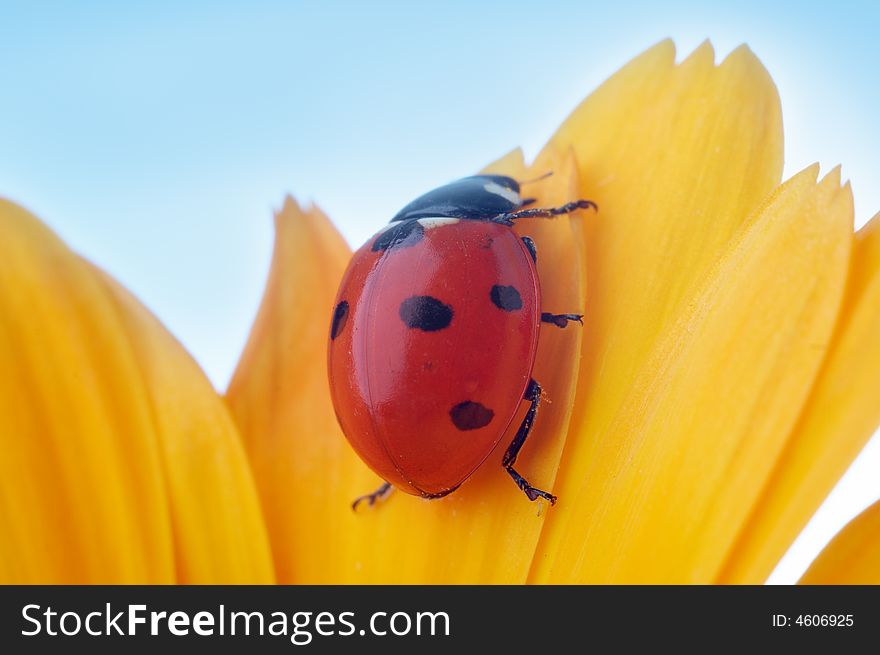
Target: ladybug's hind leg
533 395
380 494
561 320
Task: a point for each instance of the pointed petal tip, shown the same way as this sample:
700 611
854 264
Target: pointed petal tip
702 55
664 46
840 195
289 204
811 172
512 164
742 52
663 51
744 57
872 226
832 177
291 210
314 210
836 198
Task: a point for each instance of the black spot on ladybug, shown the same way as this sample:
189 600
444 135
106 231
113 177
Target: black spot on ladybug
470 415
340 318
506 298
486 243
425 313
407 233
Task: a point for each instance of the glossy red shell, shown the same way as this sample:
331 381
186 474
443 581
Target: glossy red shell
394 386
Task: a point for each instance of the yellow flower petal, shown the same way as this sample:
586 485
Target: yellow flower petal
306 472
217 523
309 475
840 416
73 510
88 491
676 472
678 158
853 556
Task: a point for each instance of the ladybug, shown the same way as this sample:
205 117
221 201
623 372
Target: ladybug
434 334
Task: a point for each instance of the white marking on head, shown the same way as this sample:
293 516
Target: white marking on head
508 194
436 221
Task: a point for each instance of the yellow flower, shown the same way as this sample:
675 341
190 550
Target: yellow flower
726 376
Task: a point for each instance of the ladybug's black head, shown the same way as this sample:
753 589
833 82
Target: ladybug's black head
478 197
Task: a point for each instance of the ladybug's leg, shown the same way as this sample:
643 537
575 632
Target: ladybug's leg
561 320
533 395
371 498
510 217
530 246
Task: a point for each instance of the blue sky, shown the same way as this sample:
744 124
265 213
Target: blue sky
157 138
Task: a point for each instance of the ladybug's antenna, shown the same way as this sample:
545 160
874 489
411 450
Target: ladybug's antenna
537 179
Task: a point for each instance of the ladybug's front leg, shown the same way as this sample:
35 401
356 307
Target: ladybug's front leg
371 498
548 212
533 395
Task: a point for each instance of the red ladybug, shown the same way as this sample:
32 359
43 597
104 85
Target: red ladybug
434 335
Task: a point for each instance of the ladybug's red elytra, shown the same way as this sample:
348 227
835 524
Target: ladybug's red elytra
434 334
